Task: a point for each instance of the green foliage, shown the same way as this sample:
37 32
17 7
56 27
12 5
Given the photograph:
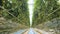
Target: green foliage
45 10
16 10
14 15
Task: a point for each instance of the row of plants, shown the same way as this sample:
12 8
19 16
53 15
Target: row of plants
45 10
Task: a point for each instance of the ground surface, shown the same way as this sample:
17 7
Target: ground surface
32 31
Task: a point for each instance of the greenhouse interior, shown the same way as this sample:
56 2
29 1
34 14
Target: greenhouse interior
29 16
